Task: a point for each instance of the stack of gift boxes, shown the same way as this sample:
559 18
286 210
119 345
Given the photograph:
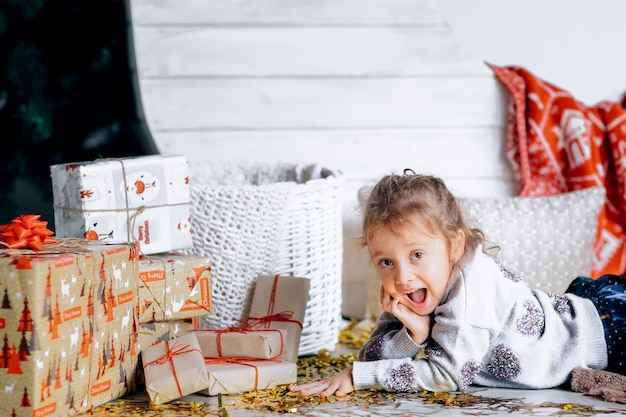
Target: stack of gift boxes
112 302
262 353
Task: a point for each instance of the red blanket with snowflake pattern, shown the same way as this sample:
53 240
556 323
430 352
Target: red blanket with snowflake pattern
557 144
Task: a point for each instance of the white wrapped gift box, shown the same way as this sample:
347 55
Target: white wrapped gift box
142 199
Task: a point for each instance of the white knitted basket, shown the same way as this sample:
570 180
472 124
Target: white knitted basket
271 219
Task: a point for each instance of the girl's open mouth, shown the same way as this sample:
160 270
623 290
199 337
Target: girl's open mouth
417 296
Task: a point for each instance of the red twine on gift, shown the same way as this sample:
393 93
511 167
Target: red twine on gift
245 329
265 321
229 329
241 361
176 349
26 231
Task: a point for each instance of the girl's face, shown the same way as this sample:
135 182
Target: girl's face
414 265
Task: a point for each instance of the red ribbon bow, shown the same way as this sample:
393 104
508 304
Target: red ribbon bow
26 231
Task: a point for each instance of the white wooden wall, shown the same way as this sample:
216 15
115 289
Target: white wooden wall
363 86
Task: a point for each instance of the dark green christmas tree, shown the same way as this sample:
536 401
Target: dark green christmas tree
66 95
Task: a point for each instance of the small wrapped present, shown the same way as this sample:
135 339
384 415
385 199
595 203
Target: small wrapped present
174 368
232 376
141 199
279 302
173 286
238 342
155 332
68 317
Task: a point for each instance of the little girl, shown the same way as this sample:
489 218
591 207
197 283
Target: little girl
453 316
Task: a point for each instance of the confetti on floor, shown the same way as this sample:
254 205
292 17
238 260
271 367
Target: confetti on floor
281 400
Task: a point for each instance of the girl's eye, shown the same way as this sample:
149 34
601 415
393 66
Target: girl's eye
417 255
385 263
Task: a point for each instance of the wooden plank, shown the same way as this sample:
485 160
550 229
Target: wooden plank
359 153
363 86
198 104
286 12
309 51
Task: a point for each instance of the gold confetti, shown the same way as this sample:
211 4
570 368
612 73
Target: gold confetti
356 333
324 355
281 400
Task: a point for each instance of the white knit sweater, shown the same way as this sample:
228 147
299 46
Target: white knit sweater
490 330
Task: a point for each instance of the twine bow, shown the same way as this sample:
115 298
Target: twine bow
177 348
266 321
26 231
229 329
245 329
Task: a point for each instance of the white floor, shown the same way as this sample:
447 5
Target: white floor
482 402
489 402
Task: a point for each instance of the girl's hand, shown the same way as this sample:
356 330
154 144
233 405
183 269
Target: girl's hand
339 385
418 325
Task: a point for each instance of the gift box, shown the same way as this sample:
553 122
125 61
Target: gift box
174 368
279 302
231 376
173 286
237 342
68 326
142 199
154 332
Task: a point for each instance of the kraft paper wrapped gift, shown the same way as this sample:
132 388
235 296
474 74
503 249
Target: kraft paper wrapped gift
141 199
236 342
154 332
68 327
174 368
279 302
174 286
242 376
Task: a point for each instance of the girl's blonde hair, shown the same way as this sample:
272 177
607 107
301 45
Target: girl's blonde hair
396 199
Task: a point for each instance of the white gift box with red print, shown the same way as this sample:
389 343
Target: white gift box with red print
140 199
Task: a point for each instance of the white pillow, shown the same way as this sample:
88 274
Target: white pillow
548 241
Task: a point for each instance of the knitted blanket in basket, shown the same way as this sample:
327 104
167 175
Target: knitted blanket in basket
558 144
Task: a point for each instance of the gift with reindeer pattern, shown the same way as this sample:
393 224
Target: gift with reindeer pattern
68 326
